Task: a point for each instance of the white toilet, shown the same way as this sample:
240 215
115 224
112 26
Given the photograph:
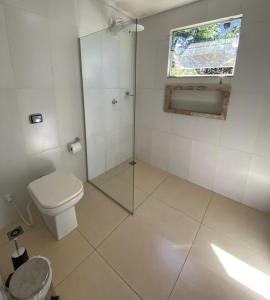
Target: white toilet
56 195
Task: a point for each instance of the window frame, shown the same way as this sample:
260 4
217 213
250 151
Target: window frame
221 20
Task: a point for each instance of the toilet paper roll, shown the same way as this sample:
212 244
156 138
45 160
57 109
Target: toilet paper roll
76 147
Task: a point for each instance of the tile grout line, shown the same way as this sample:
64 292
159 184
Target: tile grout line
192 244
151 193
117 273
100 244
109 234
96 249
84 237
68 275
92 252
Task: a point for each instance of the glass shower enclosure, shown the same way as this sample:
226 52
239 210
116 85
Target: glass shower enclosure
108 60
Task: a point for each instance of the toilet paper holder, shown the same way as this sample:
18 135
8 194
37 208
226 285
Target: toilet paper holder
69 145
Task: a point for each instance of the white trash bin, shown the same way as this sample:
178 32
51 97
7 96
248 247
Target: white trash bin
32 280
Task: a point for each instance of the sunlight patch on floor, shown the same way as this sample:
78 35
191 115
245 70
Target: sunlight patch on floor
245 274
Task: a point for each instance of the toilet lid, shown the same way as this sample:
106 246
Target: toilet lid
30 278
55 189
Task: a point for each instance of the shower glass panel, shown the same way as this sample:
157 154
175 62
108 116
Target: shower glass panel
108 72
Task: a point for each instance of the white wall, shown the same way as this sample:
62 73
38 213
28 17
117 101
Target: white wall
231 157
39 73
94 15
108 72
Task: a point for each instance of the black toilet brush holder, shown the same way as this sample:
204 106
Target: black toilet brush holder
20 255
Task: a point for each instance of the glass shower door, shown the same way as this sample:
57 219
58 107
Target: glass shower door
108 71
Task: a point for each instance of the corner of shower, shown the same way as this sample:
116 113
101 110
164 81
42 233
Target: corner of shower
108 64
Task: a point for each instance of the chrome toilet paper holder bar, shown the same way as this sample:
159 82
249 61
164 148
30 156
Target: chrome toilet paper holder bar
76 140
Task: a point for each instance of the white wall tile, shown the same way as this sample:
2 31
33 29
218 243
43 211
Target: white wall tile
255 11
257 193
146 62
111 60
12 144
43 136
127 60
67 83
91 57
231 174
240 129
252 74
74 163
6 73
44 163
36 6
65 54
126 143
112 111
94 105
64 11
38 40
161 65
28 37
262 142
246 128
181 125
160 150
126 106
112 149
217 9
161 119
96 151
203 164
14 179
69 112
206 130
143 143
145 108
179 156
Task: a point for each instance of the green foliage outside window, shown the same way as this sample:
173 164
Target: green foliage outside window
205 50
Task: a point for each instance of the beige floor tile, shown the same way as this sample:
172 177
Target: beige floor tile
184 196
149 248
98 216
240 222
218 268
197 282
66 255
94 279
87 187
122 192
99 180
39 241
147 177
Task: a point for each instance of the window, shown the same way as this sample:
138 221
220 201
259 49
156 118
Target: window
207 49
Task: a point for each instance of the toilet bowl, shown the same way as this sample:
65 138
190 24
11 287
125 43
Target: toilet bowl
55 196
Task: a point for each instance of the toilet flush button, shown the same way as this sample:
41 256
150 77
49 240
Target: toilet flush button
36 118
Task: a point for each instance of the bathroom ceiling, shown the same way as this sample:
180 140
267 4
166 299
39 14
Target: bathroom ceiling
144 8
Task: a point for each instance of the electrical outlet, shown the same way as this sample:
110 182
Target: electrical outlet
9 198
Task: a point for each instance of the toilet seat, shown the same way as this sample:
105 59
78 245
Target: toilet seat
55 196
56 192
